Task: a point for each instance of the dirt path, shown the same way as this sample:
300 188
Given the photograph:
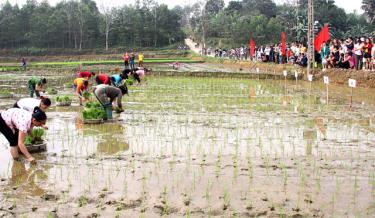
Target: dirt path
192 47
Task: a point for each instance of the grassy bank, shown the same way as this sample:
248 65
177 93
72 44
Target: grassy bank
14 67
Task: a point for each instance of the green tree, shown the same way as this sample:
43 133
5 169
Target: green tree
369 7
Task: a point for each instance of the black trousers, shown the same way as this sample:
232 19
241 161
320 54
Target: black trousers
8 133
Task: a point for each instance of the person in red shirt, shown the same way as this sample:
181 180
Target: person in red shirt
103 78
367 50
85 74
126 60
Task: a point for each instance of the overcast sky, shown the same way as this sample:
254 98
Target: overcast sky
348 5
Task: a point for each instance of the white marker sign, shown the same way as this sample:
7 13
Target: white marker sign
352 83
310 77
257 70
326 80
296 74
285 73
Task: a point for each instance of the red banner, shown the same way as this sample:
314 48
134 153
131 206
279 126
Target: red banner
283 46
252 47
323 36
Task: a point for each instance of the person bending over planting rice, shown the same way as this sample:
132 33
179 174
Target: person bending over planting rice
126 59
127 72
82 85
139 73
102 78
15 124
36 85
118 79
23 64
85 74
29 104
107 95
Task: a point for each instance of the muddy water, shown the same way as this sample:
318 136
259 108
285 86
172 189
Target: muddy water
204 147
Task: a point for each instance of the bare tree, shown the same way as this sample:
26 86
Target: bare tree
81 22
107 16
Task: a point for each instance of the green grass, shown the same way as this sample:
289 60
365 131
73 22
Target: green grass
5 92
9 68
99 62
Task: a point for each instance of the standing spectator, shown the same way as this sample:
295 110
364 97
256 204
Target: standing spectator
132 60
349 44
126 59
242 53
276 54
358 47
324 52
367 53
246 52
140 59
23 64
272 52
267 51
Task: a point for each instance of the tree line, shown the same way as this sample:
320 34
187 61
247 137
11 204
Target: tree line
215 24
82 24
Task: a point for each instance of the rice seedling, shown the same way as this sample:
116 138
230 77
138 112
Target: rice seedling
36 137
164 201
226 199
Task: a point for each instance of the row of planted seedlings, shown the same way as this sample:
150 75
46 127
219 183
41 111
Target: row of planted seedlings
251 95
213 161
295 144
204 156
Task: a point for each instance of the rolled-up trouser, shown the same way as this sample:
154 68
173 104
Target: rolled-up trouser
32 91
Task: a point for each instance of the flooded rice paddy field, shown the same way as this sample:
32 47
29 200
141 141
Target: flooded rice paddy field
199 147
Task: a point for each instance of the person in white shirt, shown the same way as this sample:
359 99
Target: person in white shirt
29 104
267 51
358 47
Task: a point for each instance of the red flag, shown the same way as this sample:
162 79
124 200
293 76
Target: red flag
252 47
323 36
283 46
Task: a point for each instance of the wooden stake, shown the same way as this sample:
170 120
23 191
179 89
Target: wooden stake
327 94
285 85
351 98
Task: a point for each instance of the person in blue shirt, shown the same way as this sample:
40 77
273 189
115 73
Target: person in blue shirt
118 79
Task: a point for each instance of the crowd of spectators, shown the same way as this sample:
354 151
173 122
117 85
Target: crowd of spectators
351 53
347 53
